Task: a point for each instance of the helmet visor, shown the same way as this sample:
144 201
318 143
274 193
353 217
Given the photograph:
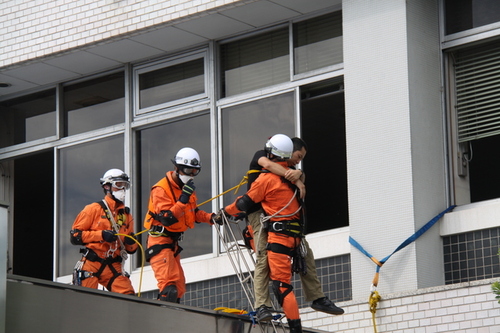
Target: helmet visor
120 184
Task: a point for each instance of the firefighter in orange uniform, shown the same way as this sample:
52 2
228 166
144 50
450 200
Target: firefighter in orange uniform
172 210
280 201
96 227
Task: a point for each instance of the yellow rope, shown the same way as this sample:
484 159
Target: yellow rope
373 302
143 260
230 310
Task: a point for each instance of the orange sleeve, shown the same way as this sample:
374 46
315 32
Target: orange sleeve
204 217
84 222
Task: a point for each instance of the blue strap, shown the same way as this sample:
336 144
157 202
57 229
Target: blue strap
408 241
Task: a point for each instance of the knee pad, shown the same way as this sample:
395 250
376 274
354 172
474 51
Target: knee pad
277 291
169 294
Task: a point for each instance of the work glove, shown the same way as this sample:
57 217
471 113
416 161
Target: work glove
130 241
187 190
219 217
109 235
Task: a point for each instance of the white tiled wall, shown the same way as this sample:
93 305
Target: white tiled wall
31 29
465 307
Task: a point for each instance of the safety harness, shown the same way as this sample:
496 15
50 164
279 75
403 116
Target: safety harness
79 275
292 228
161 231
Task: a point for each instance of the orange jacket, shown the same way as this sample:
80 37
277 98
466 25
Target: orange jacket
274 193
162 199
92 220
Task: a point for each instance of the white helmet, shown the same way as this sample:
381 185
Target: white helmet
187 157
280 145
116 178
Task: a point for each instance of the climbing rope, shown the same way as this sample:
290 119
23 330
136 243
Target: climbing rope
373 302
231 310
374 296
143 261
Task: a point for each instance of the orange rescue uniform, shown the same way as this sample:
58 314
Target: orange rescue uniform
87 228
163 200
274 193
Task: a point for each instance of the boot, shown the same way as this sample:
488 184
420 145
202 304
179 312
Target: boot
295 325
325 305
169 294
264 314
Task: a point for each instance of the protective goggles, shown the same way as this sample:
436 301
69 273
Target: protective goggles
189 171
120 184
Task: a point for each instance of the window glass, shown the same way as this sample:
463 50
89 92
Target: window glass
245 130
80 170
28 118
157 148
255 62
95 103
172 83
467 14
318 42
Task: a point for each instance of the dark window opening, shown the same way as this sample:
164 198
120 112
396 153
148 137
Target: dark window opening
323 129
483 169
34 216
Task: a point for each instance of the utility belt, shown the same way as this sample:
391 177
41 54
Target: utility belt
92 256
160 231
291 228
157 230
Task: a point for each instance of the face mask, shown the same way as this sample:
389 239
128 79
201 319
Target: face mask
184 178
119 195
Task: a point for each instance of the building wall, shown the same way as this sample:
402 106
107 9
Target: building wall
394 121
32 29
465 307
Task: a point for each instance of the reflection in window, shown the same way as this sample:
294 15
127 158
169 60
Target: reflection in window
255 62
318 42
462 15
28 118
95 103
246 128
172 83
80 170
157 148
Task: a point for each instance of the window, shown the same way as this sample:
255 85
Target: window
80 170
171 83
157 147
462 15
476 102
255 62
317 42
245 130
28 118
94 104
